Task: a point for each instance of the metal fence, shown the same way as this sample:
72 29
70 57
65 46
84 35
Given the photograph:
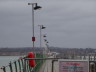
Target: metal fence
22 65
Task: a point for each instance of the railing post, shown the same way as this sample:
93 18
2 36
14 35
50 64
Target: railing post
22 64
30 69
10 65
53 65
15 66
27 65
4 69
19 65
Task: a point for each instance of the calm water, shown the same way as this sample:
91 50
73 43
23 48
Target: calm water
4 60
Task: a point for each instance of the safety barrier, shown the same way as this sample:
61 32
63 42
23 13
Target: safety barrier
22 65
16 66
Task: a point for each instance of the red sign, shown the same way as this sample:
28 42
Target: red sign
33 38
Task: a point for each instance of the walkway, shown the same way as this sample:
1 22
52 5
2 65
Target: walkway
47 66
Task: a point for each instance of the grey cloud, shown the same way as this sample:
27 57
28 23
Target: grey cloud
70 23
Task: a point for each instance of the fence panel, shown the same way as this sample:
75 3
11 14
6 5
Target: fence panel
22 65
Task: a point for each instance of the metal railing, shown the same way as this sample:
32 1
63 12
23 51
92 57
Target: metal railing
16 66
22 65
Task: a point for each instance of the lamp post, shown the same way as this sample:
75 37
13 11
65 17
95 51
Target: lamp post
48 50
41 27
34 7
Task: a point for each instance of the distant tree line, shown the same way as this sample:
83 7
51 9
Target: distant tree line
63 51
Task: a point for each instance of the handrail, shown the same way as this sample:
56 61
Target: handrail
22 65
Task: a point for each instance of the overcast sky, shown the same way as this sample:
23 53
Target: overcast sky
69 23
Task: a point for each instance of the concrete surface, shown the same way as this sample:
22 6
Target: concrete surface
47 66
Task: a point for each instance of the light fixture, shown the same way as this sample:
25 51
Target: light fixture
37 7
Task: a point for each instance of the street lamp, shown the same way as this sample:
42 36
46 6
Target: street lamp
44 35
41 27
34 7
46 43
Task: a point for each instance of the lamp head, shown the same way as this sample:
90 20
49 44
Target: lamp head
43 27
44 36
28 3
45 40
37 7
